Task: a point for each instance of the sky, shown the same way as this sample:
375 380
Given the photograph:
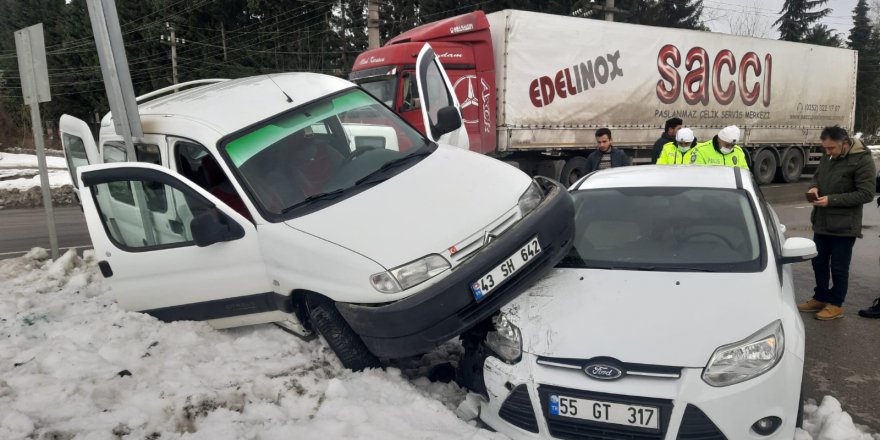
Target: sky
722 15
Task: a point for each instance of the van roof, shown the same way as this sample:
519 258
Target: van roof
229 106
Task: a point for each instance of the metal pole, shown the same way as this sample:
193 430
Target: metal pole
173 57
44 177
609 10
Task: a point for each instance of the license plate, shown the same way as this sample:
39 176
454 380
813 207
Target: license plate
605 412
506 269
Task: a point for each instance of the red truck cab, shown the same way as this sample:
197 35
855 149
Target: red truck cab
464 46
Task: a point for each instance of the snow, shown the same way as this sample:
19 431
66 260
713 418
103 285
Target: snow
20 171
76 366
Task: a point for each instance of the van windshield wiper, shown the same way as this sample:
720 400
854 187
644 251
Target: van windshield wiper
422 152
313 198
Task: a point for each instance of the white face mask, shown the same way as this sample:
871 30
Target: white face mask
684 149
726 150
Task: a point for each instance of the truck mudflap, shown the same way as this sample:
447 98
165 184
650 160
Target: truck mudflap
448 308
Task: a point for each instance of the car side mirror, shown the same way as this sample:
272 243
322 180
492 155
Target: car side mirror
448 120
213 226
797 249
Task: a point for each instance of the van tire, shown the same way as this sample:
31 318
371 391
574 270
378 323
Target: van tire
347 345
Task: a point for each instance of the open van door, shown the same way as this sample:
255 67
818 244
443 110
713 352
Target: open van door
79 147
171 249
440 106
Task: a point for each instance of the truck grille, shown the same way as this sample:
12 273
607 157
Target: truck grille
574 429
695 425
517 410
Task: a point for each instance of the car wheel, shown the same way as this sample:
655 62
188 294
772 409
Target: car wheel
573 170
347 345
764 166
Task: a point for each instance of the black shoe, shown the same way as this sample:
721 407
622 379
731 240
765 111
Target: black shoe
871 312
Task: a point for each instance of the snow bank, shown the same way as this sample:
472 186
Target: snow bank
20 171
10 160
76 365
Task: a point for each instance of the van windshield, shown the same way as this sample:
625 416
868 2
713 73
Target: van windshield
665 229
322 152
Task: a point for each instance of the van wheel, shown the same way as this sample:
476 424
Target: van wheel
791 166
764 166
573 170
347 345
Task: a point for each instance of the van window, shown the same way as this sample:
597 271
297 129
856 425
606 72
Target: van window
76 154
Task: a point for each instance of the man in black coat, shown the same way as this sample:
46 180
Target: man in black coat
606 156
669 131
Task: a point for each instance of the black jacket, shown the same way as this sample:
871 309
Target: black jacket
847 183
618 159
664 139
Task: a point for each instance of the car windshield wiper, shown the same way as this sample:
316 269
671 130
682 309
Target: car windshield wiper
673 269
313 198
421 152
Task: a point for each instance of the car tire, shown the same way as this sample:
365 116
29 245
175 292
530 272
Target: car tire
573 170
764 167
347 345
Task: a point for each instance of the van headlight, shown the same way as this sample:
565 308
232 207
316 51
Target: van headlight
530 199
505 340
410 274
747 359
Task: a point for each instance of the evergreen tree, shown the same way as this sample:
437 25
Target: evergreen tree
864 39
678 14
798 17
821 35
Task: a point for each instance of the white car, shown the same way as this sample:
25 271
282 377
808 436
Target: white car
672 317
247 204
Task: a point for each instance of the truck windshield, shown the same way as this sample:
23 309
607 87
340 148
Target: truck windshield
665 229
322 152
382 88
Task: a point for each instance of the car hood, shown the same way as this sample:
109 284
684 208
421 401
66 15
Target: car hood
427 208
657 318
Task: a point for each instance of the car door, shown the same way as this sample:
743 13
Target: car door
436 92
78 145
156 266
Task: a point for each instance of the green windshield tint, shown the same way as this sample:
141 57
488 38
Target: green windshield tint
242 149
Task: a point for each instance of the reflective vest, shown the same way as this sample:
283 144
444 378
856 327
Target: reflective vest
706 154
671 155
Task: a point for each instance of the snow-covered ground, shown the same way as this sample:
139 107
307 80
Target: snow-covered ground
73 365
20 171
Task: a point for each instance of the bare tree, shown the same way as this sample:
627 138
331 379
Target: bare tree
749 21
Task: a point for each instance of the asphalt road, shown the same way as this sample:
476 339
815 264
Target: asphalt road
842 358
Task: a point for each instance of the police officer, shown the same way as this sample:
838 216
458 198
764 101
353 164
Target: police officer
720 150
675 153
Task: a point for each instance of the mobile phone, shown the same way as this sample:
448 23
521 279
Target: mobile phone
811 196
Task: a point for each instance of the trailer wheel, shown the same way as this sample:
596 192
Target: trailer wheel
791 166
764 166
574 169
347 345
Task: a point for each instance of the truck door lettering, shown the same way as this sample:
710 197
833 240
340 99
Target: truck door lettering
724 95
615 69
587 75
750 60
768 69
601 67
695 82
578 78
669 86
560 84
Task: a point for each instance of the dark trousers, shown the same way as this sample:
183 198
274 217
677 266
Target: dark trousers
832 264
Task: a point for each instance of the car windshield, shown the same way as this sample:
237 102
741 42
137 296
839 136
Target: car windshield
382 88
665 229
322 152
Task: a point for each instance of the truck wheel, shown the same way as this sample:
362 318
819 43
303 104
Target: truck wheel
791 166
574 169
764 166
347 345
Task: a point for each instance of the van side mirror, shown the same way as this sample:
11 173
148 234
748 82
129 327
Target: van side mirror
797 249
448 120
212 226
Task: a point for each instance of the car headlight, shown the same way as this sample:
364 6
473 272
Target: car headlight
410 274
505 340
530 199
747 359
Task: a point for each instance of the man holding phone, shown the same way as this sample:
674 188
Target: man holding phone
843 182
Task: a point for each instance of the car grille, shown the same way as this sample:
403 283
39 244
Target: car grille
630 369
695 425
517 410
574 429
469 246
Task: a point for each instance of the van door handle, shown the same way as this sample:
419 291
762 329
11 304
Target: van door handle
176 226
105 268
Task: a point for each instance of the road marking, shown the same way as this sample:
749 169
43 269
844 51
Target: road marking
60 249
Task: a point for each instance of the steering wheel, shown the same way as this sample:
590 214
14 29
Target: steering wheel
711 234
358 151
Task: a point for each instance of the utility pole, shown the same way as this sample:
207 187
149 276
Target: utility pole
174 41
609 10
373 24
223 36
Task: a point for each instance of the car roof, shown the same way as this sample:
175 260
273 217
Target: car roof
667 176
231 105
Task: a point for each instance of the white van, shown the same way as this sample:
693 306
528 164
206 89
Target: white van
247 204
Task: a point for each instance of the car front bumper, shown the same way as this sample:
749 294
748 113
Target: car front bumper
686 403
447 308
